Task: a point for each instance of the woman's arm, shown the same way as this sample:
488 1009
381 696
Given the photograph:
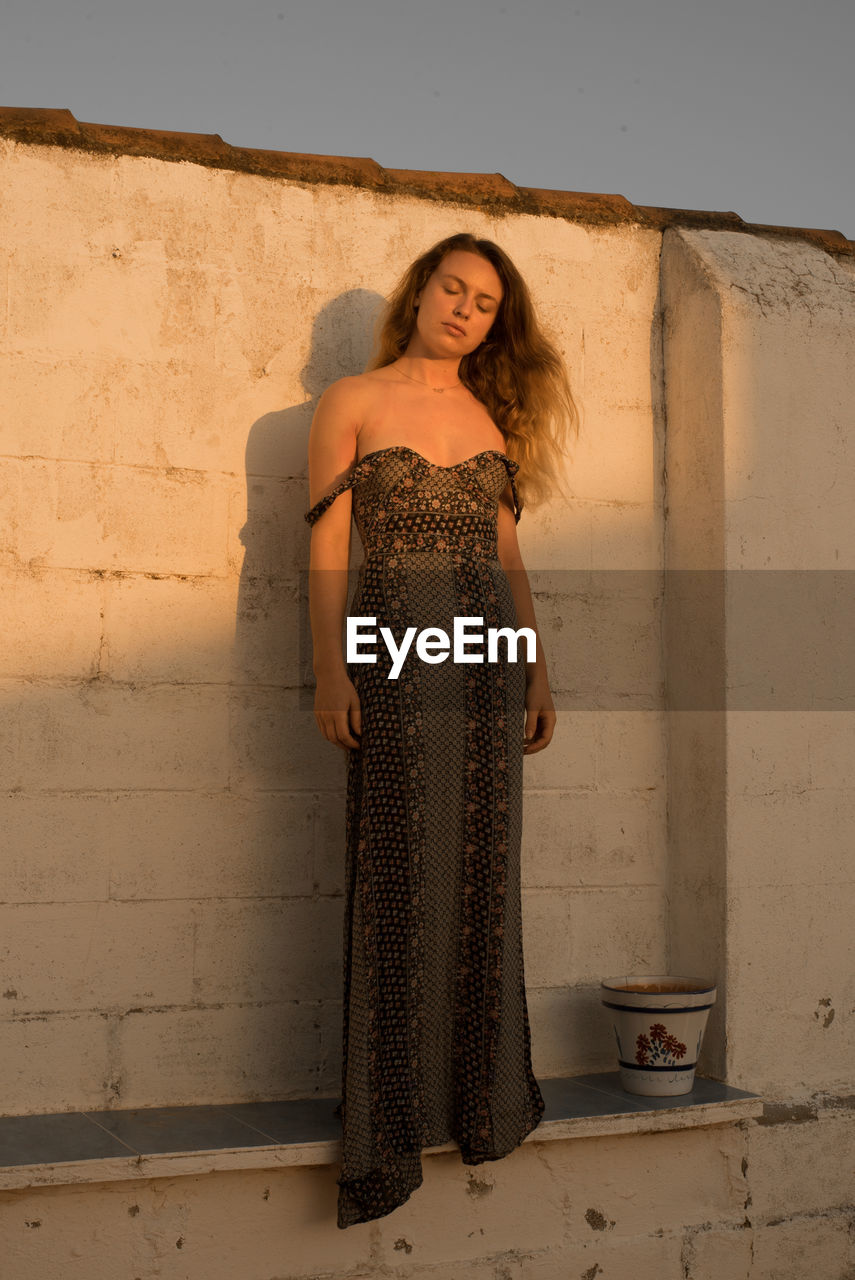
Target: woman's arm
332 452
539 708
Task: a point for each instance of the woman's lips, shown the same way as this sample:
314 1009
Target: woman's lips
455 329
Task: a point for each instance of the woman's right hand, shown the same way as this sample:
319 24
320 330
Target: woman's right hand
337 711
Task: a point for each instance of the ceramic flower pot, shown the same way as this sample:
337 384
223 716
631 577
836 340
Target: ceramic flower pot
658 1023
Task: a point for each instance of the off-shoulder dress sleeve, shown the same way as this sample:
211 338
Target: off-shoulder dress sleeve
512 469
343 485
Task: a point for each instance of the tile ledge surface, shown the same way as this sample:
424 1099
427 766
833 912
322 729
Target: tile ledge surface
589 1106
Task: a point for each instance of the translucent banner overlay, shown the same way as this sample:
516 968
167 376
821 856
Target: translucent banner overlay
685 639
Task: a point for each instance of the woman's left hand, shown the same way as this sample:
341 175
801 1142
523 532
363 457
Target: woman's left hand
540 717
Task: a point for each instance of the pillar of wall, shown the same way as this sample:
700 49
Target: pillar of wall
759 607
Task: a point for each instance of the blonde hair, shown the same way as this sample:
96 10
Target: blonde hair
516 372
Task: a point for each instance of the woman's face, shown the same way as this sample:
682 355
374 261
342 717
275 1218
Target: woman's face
457 306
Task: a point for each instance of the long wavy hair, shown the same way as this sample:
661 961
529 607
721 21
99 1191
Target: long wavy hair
516 372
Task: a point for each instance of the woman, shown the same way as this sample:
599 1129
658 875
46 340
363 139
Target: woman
424 450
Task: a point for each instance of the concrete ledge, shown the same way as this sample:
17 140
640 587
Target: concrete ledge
115 1146
490 191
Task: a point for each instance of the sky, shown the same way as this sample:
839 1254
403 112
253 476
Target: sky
742 105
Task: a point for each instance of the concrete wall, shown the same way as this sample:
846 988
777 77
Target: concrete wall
170 890
724 1203
172 882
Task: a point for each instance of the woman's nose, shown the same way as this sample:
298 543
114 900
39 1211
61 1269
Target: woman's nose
462 308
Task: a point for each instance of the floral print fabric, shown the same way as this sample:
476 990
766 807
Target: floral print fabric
436 1039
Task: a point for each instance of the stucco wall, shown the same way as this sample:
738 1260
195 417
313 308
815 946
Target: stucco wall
172 883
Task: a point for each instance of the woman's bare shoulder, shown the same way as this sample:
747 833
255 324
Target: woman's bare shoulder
339 417
353 395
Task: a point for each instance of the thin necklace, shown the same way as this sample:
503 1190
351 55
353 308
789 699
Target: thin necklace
438 390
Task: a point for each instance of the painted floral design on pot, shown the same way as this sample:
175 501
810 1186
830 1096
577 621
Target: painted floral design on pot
660 1047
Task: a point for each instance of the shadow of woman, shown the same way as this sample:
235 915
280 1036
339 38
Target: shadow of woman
289 779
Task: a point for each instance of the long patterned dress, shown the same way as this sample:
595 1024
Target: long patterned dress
436 1041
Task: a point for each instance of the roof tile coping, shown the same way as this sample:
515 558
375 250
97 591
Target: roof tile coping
490 191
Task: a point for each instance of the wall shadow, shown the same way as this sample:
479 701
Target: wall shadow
293 779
